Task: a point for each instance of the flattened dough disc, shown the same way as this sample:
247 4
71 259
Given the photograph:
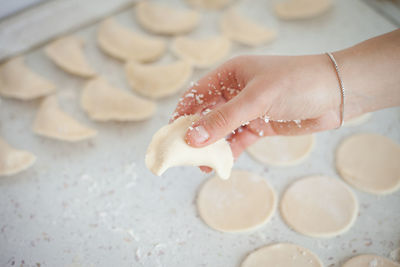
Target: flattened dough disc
370 162
282 255
13 161
243 202
282 150
358 120
369 260
19 82
319 206
168 148
302 9
210 4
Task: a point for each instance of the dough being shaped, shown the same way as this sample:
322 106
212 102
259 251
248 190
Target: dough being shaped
162 19
124 44
18 81
319 206
301 9
243 30
369 260
103 102
358 120
282 255
158 80
370 162
202 53
52 122
67 53
13 161
209 4
243 202
168 148
282 150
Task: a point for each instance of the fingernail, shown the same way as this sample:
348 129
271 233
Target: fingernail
198 134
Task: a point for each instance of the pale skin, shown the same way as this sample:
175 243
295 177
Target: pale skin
257 96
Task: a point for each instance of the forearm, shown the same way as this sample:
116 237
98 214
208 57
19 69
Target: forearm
371 74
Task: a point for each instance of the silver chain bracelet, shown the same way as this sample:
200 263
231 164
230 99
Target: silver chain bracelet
342 90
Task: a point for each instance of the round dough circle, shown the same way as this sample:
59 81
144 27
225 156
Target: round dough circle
319 206
369 260
370 162
283 255
282 150
243 202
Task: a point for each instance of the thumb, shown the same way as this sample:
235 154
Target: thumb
220 122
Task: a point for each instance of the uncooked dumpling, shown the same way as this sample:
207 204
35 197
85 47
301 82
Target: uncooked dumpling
168 149
243 30
18 81
13 161
67 53
210 4
302 9
358 120
103 102
243 202
282 150
156 80
52 122
202 53
124 44
319 206
369 260
162 19
282 255
370 162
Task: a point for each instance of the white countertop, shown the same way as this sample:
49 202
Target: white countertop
94 203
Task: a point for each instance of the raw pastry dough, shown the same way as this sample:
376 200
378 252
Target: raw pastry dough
18 81
282 150
301 9
370 162
369 260
156 80
103 102
13 161
243 30
54 123
168 149
202 53
210 4
319 206
162 19
243 202
67 53
124 44
358 120
282 255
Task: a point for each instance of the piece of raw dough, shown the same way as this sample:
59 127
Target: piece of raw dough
282 150
168 148
13 161
158 80
358 120
52 122
369 260
103 102
124 44
162 19
67 53
201 53
209 4
319 206
301 9
282 255
243 30
18 81
243 202
370 162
